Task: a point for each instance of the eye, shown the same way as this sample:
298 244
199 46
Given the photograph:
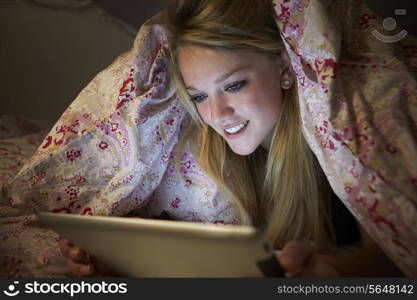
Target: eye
237 86
198 98
233 88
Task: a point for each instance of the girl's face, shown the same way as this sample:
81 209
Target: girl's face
236 93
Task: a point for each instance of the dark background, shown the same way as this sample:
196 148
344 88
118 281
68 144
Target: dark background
134 11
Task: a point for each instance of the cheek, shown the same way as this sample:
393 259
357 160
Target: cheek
272 100
204 112
267 108
263 104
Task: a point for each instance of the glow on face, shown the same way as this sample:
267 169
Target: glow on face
237 93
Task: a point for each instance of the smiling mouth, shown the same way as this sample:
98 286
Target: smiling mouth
234 131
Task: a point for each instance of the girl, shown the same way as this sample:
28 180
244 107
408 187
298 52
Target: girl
233 75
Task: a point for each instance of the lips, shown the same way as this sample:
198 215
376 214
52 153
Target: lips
236 130
232 125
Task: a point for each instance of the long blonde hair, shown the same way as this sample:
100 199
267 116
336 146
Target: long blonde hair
285 188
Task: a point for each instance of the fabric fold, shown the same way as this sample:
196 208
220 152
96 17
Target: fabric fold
112 151
358 102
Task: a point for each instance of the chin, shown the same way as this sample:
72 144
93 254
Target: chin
243 151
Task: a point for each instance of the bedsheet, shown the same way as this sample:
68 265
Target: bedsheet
111 151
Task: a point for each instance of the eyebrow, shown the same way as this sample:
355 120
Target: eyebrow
222 77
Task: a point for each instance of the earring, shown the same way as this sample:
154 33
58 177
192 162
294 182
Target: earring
286 84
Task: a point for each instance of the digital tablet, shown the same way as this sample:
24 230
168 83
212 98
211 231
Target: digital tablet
137 247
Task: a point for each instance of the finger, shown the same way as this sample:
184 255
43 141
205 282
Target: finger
100 269
294 256
64 246
318 266
79 269
78 254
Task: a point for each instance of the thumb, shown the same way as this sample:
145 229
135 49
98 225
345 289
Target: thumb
294 256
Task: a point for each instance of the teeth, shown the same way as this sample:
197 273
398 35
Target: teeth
236 128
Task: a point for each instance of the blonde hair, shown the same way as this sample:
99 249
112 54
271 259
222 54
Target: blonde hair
284 189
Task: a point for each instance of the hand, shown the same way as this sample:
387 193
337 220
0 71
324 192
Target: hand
80 263
299 259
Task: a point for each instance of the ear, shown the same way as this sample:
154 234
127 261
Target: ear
286 70
284 59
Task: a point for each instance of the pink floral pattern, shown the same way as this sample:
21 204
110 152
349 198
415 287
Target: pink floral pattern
359 110
111 153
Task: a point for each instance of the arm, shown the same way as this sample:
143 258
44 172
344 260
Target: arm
367 261
300 260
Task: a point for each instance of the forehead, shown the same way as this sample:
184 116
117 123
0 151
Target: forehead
194 53
198 63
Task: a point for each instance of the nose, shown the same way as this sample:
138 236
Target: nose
220 111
